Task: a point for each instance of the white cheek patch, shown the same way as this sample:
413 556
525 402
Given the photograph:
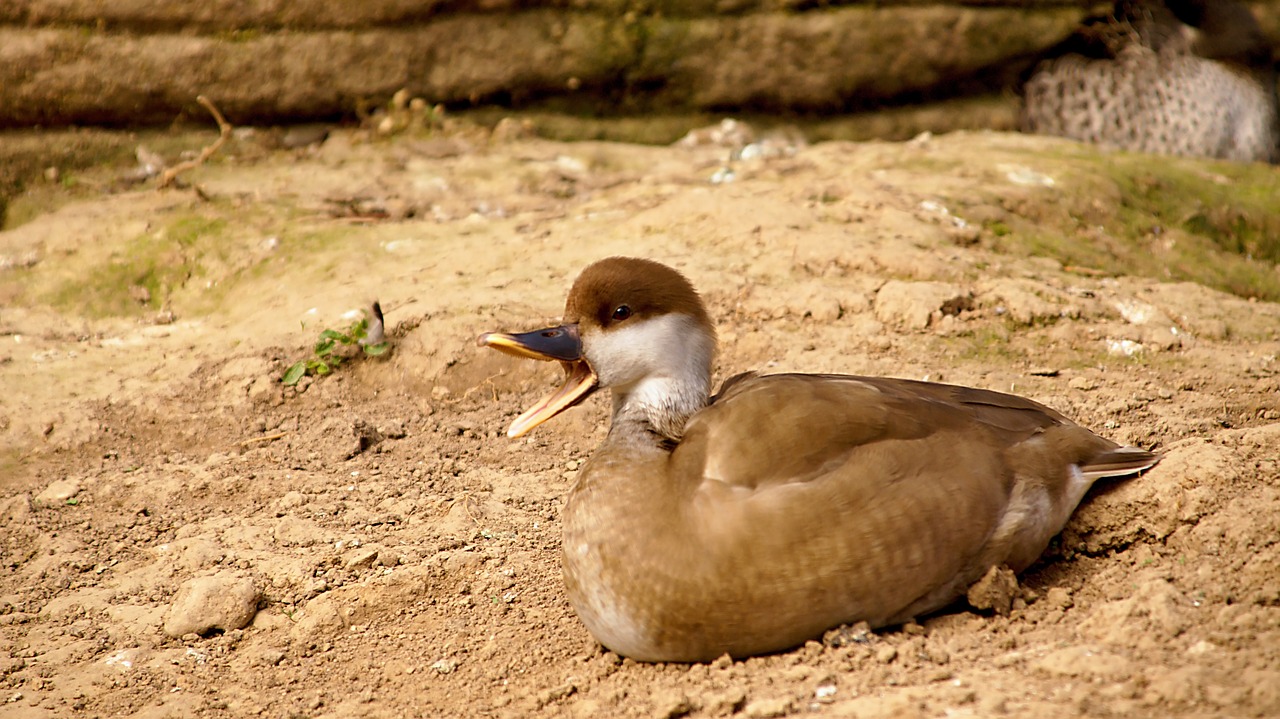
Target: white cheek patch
670 346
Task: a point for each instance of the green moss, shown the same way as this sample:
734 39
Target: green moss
143 274
997 228
984 343
1236 207
1215 223
240 35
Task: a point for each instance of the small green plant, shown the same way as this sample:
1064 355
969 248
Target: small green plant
366 333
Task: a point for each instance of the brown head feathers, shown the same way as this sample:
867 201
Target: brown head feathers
617 289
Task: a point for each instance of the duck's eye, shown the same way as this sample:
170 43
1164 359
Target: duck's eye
621 312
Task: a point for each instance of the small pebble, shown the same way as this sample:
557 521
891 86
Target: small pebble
768 708
1084 384
58 492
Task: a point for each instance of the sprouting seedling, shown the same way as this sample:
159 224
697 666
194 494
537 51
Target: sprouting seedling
368 333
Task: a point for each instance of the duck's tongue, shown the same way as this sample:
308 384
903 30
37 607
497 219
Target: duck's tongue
553 343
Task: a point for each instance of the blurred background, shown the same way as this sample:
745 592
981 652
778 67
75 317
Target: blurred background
578 68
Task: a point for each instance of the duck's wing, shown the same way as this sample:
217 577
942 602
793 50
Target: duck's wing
788 428
892 476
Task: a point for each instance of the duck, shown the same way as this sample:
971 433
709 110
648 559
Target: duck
1174 77
785 505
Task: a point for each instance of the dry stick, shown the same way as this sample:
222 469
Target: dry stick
257 439
224 133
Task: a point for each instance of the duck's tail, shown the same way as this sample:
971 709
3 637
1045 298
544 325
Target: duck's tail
1119 462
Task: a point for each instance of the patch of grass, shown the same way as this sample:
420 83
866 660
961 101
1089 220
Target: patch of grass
997 228
988 342
1237 206
1214 223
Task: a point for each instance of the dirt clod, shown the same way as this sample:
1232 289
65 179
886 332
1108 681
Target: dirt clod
204 604
995 591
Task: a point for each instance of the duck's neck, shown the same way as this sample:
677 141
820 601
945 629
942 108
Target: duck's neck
656 409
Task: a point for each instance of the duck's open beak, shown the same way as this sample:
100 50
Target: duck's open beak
553 343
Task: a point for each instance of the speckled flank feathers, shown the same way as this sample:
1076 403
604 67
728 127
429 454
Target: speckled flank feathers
1182 77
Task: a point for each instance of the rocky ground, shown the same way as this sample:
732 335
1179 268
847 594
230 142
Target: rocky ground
184 536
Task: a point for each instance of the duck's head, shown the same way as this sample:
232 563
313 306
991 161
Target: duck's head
632 326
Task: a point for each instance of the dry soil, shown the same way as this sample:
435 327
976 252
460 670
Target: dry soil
400 554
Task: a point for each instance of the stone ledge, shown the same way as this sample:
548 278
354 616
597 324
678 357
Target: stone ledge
828 61
259 15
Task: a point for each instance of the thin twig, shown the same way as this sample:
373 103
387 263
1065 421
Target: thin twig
267 438
224 134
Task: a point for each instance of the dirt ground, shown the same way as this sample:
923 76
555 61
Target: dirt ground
399 555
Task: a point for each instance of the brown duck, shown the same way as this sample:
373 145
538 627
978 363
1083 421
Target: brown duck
787 504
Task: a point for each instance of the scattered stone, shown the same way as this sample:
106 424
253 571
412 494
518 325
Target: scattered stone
388 558
1058 598
360 557
304 136
27 259
886 654
1123 347
393 429
847 634
769 707
58 492
1201 647
1137 312
509 129
204 604
291 500
269 657
994 591
937 655
728 133
672 705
